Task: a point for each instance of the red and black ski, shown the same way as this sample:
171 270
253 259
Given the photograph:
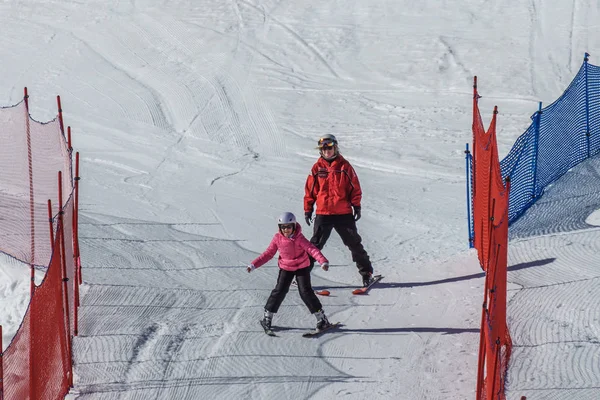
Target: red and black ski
364 290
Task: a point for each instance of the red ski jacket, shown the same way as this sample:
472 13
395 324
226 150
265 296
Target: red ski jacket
333 186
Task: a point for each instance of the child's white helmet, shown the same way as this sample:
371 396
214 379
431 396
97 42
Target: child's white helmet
286 218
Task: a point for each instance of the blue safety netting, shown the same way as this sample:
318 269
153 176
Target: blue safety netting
561 136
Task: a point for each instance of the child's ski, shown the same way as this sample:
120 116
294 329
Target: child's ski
364 290
268 330
317 333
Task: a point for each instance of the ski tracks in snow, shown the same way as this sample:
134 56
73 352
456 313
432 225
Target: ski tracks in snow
564 329
311 48
557 42
171 79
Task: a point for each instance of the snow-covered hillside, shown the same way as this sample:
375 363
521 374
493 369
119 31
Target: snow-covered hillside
197 123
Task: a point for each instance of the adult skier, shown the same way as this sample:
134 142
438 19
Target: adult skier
334 187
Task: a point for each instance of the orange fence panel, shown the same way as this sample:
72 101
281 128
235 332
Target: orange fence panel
490 225
37 364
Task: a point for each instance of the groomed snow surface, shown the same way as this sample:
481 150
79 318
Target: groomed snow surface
197 122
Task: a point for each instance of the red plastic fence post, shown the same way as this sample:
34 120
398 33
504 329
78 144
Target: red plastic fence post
490 231
76 218
32 242
64 279
496 362
69 138
63 333
31 336
50 223
31 197
1 367
60 117
76 272
475 114
482 348
75 302
75 244
482 339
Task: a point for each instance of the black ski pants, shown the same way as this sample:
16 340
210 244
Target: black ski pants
284 280
345 226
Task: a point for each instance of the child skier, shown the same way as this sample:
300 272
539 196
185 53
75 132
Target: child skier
293 261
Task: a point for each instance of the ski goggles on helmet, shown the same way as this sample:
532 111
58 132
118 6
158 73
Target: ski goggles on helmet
326 144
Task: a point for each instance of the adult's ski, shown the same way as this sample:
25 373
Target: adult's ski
364 290
317 333
268 330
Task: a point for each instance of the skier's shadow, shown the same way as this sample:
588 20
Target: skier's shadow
295 328
341 329
445 331
392 285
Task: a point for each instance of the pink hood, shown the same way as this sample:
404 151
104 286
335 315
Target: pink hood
293 251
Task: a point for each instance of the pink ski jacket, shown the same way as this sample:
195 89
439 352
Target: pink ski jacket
293 251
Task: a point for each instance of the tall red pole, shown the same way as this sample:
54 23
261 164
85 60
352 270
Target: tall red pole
32 244
51 224
69 370
76 218
31 193
482 342
60 117
76 267
496 362
76 262
475 113
1 367
69 138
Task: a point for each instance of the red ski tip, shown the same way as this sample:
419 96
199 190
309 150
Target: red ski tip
324 292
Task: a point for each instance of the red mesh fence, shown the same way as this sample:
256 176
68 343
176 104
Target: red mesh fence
36 165
37 362
490 212
32 154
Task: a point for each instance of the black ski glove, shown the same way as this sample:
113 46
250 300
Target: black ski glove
308 217
356 213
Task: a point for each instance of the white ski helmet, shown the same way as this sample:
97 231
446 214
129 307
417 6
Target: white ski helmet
286 218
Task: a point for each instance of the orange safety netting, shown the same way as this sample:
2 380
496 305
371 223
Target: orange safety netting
490 222
32 155
38 197
37 362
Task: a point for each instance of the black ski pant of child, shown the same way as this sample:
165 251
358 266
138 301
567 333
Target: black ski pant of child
345 226
284 280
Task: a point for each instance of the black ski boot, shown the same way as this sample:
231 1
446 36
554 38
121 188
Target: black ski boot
267 319
367 280
322 321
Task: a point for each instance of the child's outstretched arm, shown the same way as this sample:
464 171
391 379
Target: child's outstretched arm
266 255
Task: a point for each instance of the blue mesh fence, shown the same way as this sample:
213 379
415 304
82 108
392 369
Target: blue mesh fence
561 136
